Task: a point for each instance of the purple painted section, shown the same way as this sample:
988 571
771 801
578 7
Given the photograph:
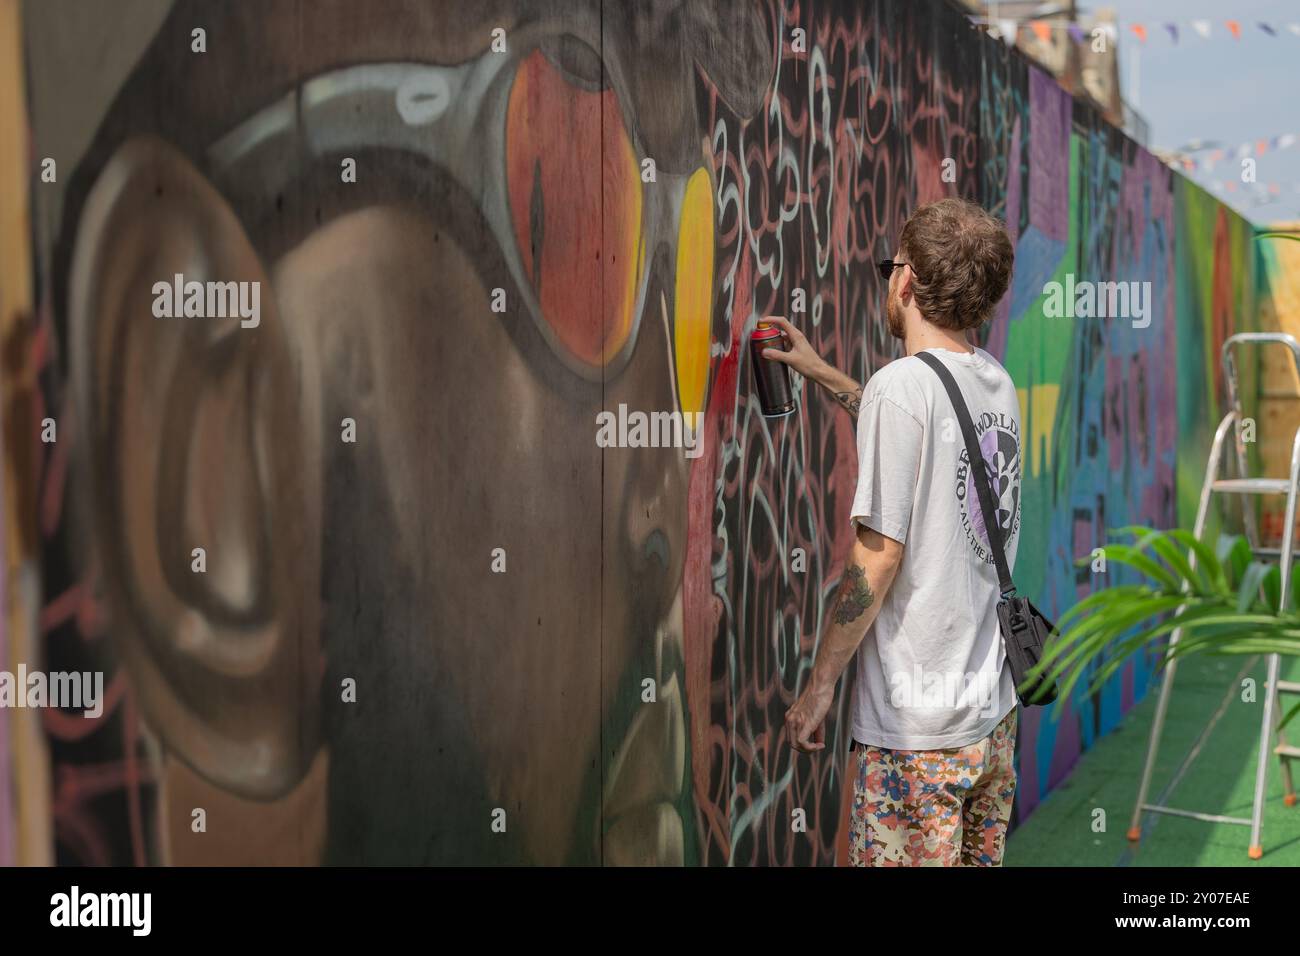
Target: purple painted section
1049 156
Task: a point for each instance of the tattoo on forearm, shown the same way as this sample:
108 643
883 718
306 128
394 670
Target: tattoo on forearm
855 596
852 401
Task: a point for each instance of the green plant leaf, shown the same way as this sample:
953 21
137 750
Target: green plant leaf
1173 556
1251 581
1272 587
1289 714
1189 624
1207 561
1116 592
1238 558
1074 648
1143 563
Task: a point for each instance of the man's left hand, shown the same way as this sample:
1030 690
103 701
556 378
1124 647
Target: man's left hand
805 722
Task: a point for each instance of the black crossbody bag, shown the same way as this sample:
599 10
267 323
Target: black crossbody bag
1024 628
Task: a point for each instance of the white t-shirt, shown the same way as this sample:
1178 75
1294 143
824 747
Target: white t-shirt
932 673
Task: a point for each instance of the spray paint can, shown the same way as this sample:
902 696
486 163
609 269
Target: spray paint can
771 379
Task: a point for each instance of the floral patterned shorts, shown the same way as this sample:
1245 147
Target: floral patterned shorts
934 807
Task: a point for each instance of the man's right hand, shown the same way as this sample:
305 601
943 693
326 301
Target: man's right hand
801 357
799 354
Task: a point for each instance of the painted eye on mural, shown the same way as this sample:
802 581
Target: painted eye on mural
583 244
557 134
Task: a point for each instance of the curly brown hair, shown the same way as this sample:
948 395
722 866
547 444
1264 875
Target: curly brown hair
961 258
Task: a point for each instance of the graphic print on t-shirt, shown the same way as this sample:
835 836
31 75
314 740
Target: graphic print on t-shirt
999 440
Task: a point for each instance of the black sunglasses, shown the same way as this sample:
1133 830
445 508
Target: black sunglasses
887 267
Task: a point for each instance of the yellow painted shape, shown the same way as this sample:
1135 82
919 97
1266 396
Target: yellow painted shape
1037 413
693 297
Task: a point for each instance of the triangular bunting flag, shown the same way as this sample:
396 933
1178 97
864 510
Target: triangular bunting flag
1173 31
1202 27
1261 148
1294 28
1008 30
1140 30
1234 28
1042 30
1076 32
1268 29
1286 140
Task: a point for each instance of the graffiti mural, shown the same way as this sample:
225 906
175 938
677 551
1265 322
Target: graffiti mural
852 137
365 586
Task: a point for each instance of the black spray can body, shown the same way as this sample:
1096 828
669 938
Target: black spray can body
771 379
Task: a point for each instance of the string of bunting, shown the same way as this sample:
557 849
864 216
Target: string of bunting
1042 28
1262 193
1213 157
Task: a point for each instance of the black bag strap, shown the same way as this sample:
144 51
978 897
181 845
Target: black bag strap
982 486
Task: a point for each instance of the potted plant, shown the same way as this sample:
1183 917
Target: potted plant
1224 600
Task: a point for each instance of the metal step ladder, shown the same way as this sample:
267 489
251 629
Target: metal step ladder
1243 486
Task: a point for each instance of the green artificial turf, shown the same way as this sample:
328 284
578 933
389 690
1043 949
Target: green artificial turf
1217 778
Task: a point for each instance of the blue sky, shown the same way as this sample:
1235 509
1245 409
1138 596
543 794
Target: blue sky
1221 89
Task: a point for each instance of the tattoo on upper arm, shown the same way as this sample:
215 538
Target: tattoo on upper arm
855 596
852 401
